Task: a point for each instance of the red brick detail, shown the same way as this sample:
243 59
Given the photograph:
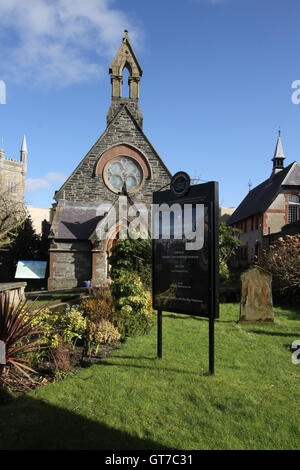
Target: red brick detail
265 226
286 217
52 260
125 150
95 256
276 211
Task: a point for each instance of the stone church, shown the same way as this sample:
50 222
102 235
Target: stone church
122 162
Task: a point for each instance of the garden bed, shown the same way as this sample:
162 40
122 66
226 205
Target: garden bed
69 360
46 339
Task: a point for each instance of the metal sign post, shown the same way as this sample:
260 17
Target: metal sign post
159 334
185 241
211 346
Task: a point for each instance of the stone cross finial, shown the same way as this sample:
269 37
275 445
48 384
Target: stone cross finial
126 37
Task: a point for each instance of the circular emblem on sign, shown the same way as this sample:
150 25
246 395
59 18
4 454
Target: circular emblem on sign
180 183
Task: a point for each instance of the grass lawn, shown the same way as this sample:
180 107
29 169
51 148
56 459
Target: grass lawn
53 298
133 401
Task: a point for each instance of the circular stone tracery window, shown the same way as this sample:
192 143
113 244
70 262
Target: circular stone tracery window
123 172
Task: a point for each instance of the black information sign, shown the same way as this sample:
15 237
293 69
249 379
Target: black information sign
185 251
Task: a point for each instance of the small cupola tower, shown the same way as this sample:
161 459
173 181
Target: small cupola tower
125 58
278 157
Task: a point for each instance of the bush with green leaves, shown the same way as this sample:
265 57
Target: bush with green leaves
228 245
134 315
131 255
72 324
69 325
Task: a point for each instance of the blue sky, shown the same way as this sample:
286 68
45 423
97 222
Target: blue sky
216 86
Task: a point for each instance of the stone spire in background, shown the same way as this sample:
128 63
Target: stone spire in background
23 154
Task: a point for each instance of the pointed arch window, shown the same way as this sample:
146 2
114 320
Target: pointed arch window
126 87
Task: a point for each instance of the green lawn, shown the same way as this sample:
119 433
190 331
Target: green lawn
133 401
52 298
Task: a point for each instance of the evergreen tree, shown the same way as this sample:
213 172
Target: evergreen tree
27 246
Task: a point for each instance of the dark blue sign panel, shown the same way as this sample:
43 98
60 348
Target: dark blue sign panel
185 251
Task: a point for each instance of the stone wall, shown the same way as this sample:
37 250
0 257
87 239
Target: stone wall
70 264
15 290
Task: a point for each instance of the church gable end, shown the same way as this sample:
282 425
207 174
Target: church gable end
122 159
86 182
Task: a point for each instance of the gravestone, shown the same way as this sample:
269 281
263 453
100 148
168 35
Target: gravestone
256 296
2 353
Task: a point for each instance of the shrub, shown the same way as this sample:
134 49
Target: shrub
134 314
69 325
47 321
228 245
224 271
99 306
131 255
101 332
72 324
61 356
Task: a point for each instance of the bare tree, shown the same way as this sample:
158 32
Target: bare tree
12 216
282 259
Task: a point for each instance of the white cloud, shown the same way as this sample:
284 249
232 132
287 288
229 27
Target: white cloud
58 177
60 41
35 184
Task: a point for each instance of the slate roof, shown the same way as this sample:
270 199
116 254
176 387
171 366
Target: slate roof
76 220
261 197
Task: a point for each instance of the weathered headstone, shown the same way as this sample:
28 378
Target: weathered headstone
2 352
256 296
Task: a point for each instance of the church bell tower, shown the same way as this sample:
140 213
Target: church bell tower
125 59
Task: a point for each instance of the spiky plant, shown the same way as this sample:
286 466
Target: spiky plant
20 339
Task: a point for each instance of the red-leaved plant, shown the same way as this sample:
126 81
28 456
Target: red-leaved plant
20 338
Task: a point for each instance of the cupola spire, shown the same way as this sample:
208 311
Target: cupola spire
23 154
278 156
